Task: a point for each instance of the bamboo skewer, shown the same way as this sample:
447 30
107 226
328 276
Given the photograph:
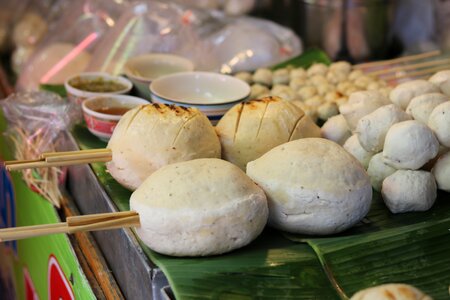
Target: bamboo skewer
398 60
421 73
60 159
411 67
93 222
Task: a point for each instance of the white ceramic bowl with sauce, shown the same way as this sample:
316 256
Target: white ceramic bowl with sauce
143 69
102 113
212 93
78 89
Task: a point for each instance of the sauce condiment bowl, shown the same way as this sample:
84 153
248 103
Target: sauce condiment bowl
102 113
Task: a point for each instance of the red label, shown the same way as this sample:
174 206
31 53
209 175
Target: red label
58 286
30 291
100 125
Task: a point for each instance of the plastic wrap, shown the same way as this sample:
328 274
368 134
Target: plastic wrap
66 49
211 40
35 123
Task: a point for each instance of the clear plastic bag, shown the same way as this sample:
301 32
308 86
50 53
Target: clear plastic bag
67 48
36 122
210 39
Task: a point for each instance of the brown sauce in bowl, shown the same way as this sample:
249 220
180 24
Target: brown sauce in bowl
117 111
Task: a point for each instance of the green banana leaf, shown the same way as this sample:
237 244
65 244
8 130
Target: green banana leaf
306 59
410 248
270 267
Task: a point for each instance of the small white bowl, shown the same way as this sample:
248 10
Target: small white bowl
143 69
212 93
77 95
102 113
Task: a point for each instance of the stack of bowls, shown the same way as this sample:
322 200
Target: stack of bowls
143 69
212 93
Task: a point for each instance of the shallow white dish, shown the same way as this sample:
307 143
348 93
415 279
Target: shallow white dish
143 69
211 93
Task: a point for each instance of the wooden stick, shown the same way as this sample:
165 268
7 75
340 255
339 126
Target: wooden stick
44 164
423 72
78 156
410 67
397 60
74 224
63 153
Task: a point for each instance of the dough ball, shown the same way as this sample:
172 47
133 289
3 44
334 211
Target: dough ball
152 136
409 190
355 74
263 76
317 69
323 89
439 122
314 101
313 186
307 92
362 82
372 128
353 147
332 96
250 129
334 77
298 73
421 106
378 170
327 110
280 76
403 93
392 291
284 92
318 80
257 90
199 207
343 86
297 83
341 67
442 80
409 145
336 129
245 76
360 104
441 172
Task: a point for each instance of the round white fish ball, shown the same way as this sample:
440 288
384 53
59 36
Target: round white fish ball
307 92
314 101
263 76
341 67
334 77
442 80
360 104
317 69
280 76
353 146
355 74
336 129
297 83
409 190
298 73
318 80
372 128
327 110
421 106
378 170
258 90
403 93
284 92
343 86
441 172
362 82
245 76
409 145
439 122
331 96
